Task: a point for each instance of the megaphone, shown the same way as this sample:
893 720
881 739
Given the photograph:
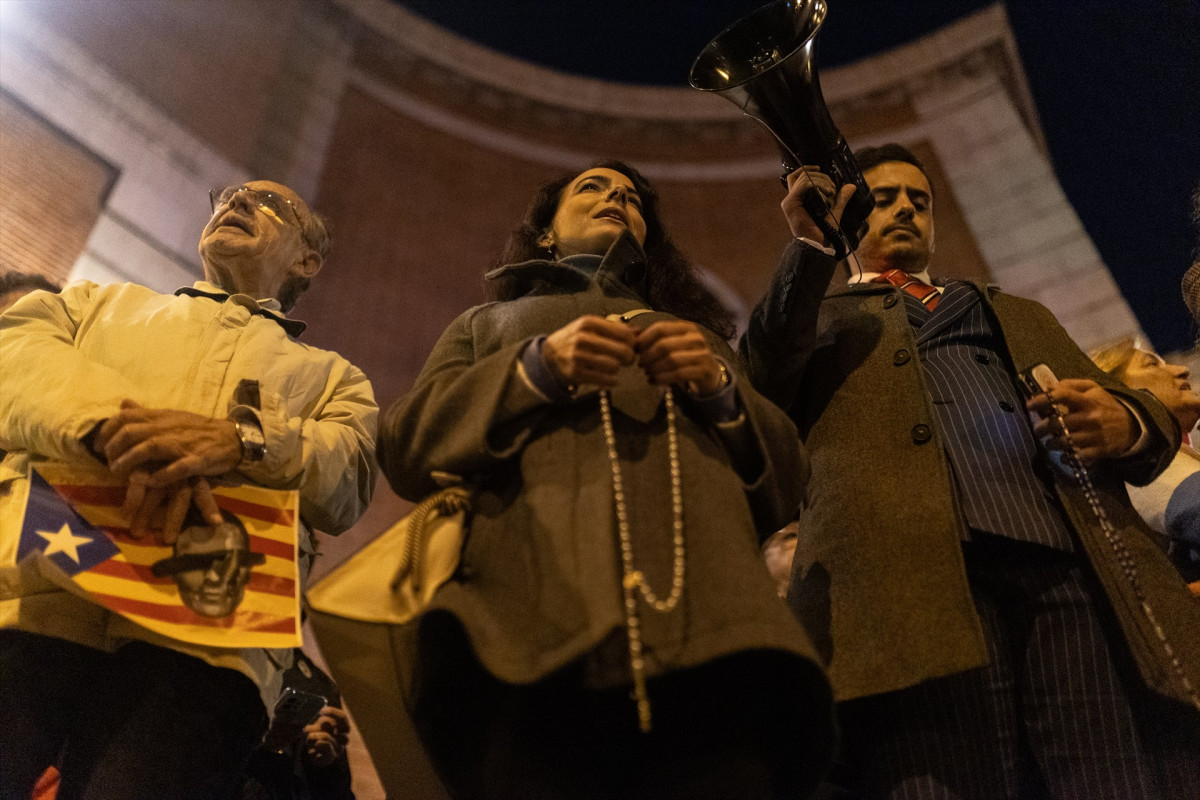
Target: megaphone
764 65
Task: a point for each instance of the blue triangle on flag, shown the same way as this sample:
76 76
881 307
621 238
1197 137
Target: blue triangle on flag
52 527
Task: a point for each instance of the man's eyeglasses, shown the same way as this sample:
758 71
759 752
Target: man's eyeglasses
270 203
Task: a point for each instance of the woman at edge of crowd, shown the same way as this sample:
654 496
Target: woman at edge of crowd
614 536
1170 504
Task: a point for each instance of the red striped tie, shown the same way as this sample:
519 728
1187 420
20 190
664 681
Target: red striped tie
928 295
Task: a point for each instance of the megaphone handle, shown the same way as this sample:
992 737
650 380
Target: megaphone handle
814 204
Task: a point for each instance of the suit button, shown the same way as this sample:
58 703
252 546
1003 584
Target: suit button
983 358
900 357
921 434
889 301
1007 406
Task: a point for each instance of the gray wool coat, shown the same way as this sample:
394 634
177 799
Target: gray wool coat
540 580
879 577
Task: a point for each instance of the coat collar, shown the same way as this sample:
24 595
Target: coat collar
624 263
267 307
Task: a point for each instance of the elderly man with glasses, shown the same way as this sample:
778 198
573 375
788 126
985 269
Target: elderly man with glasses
169 391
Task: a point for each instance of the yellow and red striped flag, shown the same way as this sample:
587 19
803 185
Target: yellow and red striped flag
233 589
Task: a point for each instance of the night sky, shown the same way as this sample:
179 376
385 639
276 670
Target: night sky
1117 86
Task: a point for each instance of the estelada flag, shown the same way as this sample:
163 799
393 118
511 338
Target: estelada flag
224 589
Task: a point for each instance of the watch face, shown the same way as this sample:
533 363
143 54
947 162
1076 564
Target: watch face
253 442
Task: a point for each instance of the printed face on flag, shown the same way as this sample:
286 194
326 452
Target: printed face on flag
211 565
233 585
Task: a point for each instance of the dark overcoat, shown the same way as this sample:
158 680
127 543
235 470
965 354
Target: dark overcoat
540 583
879 577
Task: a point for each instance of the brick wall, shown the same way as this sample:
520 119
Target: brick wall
51 191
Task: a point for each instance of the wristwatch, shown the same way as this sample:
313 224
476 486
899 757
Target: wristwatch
722 381
254 444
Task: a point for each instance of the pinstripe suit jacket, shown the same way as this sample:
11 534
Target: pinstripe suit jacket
879 577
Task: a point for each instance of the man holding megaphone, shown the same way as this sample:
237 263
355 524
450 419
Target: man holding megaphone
997 620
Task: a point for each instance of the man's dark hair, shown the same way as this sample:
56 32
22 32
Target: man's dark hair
671 283
869 157
12 280
315 234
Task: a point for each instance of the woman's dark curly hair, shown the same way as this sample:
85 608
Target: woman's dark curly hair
671 284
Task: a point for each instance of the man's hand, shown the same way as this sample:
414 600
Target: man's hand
590 350
169 446
779 551
325 738
807 179
1100 425
676 352
148 508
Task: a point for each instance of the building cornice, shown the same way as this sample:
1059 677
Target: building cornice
505 103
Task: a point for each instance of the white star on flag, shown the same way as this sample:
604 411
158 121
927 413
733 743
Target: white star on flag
63 542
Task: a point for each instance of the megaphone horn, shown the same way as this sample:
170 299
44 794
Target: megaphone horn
764 65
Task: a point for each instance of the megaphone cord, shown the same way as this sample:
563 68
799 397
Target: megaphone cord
818 208
820 212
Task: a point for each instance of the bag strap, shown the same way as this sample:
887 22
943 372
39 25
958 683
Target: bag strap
448 501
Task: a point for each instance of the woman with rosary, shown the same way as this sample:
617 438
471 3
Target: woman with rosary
611 631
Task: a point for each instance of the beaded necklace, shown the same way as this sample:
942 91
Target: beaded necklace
1121 553
633 580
